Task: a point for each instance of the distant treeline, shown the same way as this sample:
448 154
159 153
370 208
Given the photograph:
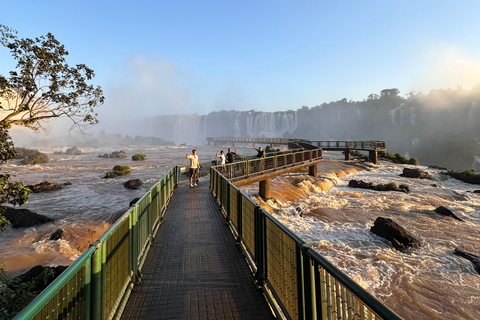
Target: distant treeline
441 127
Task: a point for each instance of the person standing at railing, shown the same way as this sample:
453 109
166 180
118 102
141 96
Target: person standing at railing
231 155
222 161
194 165
260 151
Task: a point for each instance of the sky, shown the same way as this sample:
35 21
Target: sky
183 57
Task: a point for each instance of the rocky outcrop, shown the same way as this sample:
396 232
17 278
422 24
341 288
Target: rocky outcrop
21 218
133 184
39 277
114 154
446 212
469 256
73 151
47 186
57 235
414 173
132 203
379 187
397 235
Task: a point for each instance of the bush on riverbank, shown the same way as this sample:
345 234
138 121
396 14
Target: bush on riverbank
397 158
35 158
468 176
139 157
118 171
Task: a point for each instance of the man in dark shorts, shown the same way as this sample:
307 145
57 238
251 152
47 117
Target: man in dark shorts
194 165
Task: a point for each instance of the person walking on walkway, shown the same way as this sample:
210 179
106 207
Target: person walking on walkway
194 165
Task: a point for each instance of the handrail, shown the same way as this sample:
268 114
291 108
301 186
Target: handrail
298 282
97 285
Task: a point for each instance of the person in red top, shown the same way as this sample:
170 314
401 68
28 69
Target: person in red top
194 165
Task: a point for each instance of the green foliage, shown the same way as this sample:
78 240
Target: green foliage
398 158
44 86
468 176
21 153
405 187
139 157
35 158
14 296
386 187
14 193
436 166
118 171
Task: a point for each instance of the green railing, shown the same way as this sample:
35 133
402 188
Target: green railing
298 282
98 284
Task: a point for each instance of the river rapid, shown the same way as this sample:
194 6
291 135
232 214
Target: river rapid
428 282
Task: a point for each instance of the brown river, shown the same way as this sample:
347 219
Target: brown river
427 282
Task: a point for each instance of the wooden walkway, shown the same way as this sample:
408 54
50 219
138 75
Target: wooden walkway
194 270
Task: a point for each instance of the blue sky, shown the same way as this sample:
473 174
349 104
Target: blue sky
168 57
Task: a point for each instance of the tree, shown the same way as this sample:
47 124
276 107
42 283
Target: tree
10 192
44 86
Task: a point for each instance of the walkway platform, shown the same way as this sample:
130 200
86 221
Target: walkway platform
194 270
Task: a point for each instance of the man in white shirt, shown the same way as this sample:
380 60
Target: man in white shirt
194 165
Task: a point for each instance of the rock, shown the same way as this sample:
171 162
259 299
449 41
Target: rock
360 184
40 277
446 212
132 203
476 191
469 256
57 235
73 151
414 173
47 186
20 218
397 235
133 184
114 154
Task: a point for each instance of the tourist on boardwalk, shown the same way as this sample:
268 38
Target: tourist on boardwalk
231 155
260 151
222 161
194 165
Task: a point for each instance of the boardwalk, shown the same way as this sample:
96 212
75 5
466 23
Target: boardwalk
194 270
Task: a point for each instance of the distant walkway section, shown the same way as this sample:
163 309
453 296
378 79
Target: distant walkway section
194 270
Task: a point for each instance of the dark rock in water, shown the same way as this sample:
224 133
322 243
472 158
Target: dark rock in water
360 184
56 235
114 154
446 212
132 203
133 184
20 218
47 186
414 173
73 151
397 235
40 277
469 256
476 191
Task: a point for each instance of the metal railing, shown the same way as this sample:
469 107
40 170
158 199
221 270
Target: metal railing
98 284
295 278
252 165
354 145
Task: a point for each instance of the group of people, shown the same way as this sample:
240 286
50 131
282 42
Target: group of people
224 159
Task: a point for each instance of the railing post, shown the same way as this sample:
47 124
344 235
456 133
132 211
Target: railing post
260 241
309 285
227 207
239 217
88 289
97 303
134 250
